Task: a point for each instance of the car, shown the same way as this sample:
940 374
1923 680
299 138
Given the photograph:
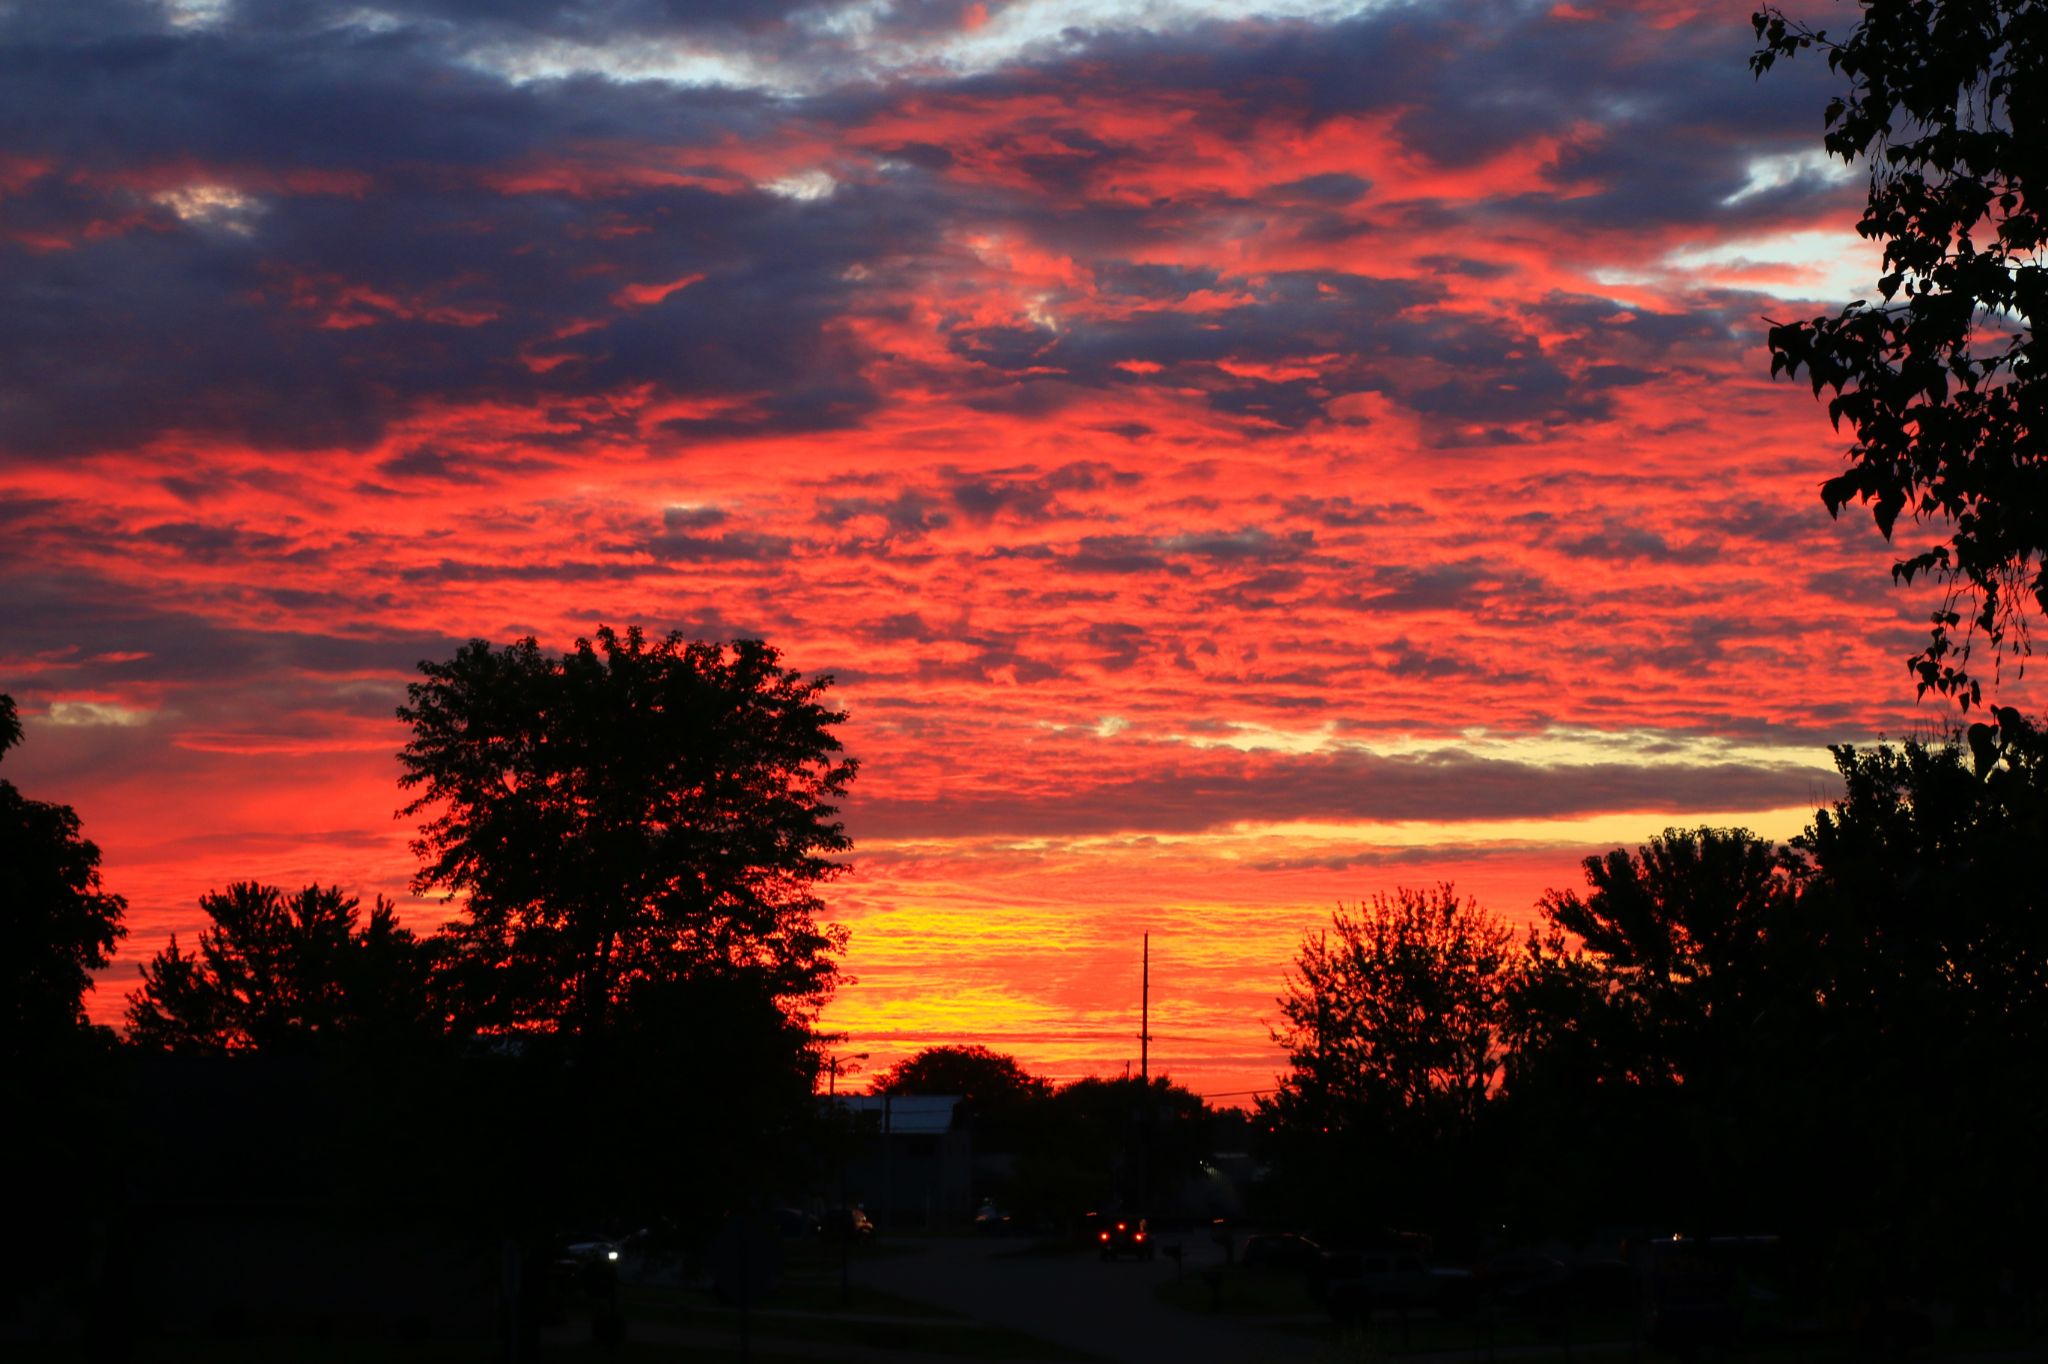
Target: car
1712 1289
588 1266
1354 1286
846 1226
1125 1236
588 1250
1282 1251
991 1220
795 1222
632 1254
1514 1273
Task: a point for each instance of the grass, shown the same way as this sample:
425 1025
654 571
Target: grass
805 1310
953 1338
267 1349
1254 1293
812 1310
1423 1334
819 1295
630 1351
1241 1292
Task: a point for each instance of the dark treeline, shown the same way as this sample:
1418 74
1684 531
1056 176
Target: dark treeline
1832 1041
1829 1041
1055 1154
615 1028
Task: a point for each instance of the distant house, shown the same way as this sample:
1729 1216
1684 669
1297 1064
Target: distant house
916 1165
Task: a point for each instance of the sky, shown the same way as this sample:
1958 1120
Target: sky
1233 458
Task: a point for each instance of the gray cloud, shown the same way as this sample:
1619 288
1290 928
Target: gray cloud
1206 791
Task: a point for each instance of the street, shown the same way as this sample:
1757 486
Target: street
1076 1300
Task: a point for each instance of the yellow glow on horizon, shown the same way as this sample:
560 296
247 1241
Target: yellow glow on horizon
1264 837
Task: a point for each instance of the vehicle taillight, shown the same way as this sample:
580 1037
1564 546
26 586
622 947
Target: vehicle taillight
1141 1236
1105 1236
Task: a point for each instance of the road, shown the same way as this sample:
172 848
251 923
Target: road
1106 1310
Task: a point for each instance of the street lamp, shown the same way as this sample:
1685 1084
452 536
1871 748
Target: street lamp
834 1063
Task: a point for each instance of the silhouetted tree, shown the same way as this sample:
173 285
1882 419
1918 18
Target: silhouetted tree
277 972
1637 1021
1922 914
1396 1009
1100 1143
58 1079
1674 936
1394 1021
58 924
1924 880
982 1077
694 1101
1941 382
997 1094
623 817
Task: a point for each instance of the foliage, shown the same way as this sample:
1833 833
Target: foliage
58 924
624 817
696 1100
983 1078
1674 937
1821 1039
1941 381
1638 1019
276 972
1923 934
60 1079
1102 1143
1394 1020
1396 1011
1924 879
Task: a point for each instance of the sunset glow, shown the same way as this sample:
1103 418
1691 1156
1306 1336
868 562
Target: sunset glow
1233 458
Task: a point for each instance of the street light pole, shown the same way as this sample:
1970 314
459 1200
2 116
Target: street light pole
833 1063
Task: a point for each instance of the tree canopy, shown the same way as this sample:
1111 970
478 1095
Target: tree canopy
276 971
625 816
1941 381
984 1078
58 923
1922 938
1675 932
1394 1020
1396 1009
1099 1143
1924 884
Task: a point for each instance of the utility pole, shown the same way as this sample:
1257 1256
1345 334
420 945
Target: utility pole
1145 1084
1145 1019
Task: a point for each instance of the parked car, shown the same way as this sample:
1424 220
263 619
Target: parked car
1534 1286
1511 1274
1712 1289
585 1250
1282 1251
846 1226
1355 1285
795 1222
1125 1236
